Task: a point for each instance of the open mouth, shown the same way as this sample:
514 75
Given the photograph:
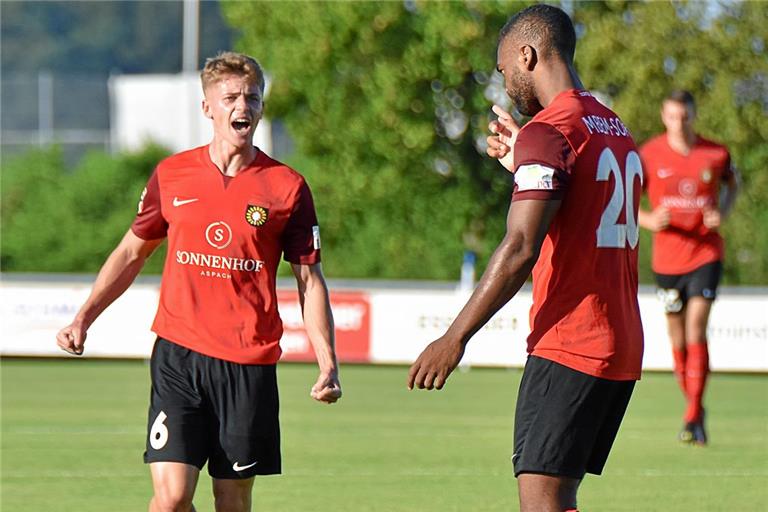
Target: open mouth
241 125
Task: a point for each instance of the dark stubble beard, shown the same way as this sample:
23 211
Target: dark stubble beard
524 95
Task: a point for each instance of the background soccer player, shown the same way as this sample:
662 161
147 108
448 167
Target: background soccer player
692 187
228 211
572 221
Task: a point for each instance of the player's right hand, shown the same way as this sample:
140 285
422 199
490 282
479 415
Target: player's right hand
435 364
660 218
712 218
502 143
72 339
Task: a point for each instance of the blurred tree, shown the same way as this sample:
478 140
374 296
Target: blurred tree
59 220
389 102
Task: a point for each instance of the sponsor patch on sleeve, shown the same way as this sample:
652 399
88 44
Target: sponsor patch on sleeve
534 177
316 237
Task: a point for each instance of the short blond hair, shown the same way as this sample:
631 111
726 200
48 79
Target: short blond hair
231 63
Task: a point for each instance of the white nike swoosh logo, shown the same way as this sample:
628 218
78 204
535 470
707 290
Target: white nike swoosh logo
664 173
180 202
238 467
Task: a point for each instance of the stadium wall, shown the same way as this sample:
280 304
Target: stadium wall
387 323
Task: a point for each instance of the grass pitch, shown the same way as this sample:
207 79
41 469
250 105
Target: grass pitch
73 435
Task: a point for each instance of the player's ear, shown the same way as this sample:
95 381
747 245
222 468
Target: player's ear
528 57
207 109
263 106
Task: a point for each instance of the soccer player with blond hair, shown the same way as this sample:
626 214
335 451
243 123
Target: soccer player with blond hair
229 212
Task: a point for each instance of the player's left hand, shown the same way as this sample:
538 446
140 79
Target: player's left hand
502 143
435 364
72 338
327 388
712 218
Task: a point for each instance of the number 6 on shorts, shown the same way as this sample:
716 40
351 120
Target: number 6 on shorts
158 434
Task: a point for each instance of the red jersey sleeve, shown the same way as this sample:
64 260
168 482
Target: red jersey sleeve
149 223
543 162
301 237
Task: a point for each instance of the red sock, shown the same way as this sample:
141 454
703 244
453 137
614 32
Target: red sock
696 371
679 358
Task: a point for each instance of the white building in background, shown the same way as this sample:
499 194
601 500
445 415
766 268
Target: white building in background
165 109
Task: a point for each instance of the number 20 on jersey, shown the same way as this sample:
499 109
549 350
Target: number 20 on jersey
610 233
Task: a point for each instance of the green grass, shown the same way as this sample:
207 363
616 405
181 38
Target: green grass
73 436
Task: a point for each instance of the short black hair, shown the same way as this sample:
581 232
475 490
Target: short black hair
682 96
545 25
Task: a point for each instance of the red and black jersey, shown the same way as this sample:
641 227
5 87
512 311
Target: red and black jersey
585 313
225 238
686 185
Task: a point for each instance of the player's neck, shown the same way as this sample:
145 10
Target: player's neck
230 159
681 142
558 79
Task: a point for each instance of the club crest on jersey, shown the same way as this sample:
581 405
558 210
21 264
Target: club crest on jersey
256 215
687 187
706 175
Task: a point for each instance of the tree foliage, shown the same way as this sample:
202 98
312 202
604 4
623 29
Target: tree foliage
389 102
385 102
388 105
59 220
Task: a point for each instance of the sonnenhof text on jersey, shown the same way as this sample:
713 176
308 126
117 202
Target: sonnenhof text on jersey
219 263
686 203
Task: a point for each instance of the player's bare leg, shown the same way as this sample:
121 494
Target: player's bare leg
545 493
676 329
174 487
696 319
232 495
697 365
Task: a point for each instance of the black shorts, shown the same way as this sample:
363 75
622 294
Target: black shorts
674 290
565 420
207 409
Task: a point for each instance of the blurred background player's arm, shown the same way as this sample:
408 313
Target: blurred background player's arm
657 219
318 321
654 220
713 217
115 276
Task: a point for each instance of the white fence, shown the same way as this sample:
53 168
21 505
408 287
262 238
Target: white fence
376 323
